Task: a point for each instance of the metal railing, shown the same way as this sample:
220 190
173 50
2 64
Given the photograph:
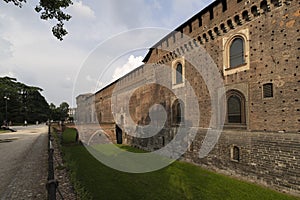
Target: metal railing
52 182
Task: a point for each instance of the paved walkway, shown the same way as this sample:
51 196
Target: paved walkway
23 166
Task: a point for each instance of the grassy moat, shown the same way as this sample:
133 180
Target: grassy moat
179 180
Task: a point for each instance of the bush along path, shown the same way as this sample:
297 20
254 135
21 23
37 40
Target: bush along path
65 189
178 181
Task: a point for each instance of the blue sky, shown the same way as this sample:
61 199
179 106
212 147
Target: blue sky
30 53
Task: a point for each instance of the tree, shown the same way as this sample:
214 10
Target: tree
50 9
59 113
25 102
63 110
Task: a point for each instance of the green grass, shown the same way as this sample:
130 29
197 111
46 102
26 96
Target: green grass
69 136
178 181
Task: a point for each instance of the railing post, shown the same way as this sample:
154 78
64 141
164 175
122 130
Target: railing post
52 183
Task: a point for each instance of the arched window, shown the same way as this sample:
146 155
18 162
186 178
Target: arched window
235 107
177 112
237 52
179 73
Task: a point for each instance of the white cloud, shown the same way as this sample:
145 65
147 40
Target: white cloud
81 11
9 74
30 53
132 63
95 84
6 48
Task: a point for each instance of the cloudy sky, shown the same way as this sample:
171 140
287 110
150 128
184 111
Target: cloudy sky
30 53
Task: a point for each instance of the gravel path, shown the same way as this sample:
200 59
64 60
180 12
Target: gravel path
23 167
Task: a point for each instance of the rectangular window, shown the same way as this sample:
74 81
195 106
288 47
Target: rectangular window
224 5
200 21
211 14
190 28
268 90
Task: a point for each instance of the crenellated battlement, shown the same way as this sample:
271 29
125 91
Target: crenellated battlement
217 19
255 44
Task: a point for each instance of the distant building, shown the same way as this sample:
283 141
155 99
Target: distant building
85 112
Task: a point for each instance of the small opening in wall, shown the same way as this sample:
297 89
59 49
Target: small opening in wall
230 24
235 153
246 15
268 90
254 11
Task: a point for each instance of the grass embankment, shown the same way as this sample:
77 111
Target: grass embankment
180 180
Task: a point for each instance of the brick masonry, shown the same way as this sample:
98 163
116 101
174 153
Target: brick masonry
267 141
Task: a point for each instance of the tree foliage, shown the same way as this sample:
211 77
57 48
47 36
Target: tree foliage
25 102
60 113
51 9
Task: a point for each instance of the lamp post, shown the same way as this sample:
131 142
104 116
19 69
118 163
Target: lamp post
6 99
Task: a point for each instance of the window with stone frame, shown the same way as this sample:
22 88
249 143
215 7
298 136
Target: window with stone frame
236 107
177 112
178 73
235 153
268 90
236 49
237 52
